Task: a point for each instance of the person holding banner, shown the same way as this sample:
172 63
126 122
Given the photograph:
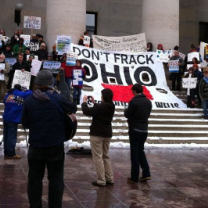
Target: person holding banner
19 65
203 92
137 113
78 74
13 102
177 75
4 76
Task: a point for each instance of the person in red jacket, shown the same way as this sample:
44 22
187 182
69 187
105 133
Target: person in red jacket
67 71
78 74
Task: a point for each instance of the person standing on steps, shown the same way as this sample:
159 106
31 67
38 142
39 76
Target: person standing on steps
137 113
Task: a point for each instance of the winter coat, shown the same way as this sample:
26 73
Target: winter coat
67 70
138 112
82 76
44 120
102 115
18 48
203 89
42 55
13 102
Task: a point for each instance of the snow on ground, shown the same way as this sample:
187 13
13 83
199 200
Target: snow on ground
86 145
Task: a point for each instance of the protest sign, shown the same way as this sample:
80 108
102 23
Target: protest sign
203 51
33 46
36 65
189 83
173 66
86 40
119 71
133 43
26 39
2 66
163 56
11 61
32 22
53 66
63 44
21 78
71 59
193 55
77 77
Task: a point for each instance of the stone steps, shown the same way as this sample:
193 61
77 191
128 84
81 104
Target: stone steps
166 126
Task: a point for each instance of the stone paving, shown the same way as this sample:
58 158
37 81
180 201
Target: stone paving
179 180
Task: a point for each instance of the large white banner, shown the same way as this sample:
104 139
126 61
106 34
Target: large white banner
119 71
132 43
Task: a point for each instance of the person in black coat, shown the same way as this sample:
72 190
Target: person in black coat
19 65
46 125
100 135
42 53
137 113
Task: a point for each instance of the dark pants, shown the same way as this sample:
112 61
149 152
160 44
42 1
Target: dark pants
53 159
191 98
10 138
76 94
205 107
174 77
138 157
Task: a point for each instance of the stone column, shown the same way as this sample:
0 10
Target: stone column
160 22
65 17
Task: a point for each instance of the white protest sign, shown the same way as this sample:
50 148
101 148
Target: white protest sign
26 39
86 40
189 83
33 46
2 67
71 59
193 55
173 66
63 44
36 65
32 22
163 56
133 43
119 71
11 61
21 78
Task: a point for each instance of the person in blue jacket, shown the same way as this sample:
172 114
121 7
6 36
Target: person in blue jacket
13 102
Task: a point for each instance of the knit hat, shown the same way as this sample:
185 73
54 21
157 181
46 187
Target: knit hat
107 95
44 78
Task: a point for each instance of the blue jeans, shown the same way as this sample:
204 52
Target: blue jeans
205 106
76 94
68 82
10 138
138 157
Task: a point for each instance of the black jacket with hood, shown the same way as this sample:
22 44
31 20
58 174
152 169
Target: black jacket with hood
44 120
102 115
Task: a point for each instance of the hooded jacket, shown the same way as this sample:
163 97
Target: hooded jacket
44 120
102 115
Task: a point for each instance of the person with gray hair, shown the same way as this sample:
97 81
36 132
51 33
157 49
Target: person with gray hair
44 115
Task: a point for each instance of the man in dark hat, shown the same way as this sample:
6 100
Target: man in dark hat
43 117
137 113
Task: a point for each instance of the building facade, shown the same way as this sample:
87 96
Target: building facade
169 22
